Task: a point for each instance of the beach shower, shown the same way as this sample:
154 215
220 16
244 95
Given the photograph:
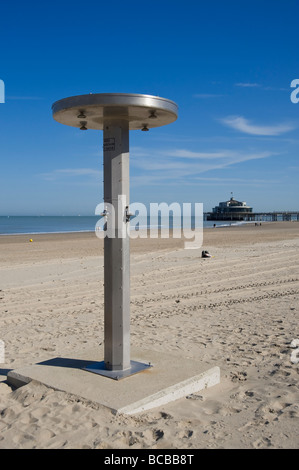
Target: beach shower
116 114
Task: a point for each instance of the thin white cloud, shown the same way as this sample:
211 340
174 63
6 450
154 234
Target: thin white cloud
183 153
182 165
236 180
241 124
272 88
78 171
171 167
248 85
258 85
137 152
29 98
71 173
229 155
204 96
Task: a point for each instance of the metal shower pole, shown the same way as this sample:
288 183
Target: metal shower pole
116 114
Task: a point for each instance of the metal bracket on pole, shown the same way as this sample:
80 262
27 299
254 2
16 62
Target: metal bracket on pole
129 215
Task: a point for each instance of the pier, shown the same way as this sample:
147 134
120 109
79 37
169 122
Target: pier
254 216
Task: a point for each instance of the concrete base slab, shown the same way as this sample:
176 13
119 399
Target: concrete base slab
171 377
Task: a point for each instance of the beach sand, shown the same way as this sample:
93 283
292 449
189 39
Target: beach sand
237 310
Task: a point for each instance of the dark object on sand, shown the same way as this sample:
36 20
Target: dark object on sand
205 254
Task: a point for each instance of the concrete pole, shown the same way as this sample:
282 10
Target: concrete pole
117 249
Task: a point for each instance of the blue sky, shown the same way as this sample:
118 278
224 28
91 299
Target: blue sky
228 65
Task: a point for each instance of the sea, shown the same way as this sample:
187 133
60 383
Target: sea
14 225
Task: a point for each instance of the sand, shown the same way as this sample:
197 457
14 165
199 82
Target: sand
237 310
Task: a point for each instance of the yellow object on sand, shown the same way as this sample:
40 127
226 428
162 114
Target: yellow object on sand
31 240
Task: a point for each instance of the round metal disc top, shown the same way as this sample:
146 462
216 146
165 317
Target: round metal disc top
93 110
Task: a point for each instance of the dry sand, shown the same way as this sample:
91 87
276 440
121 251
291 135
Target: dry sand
237 310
